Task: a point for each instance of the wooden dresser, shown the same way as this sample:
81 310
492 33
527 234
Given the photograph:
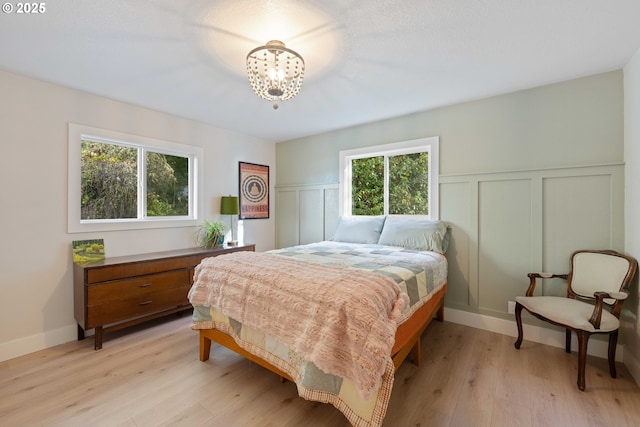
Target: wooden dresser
124 291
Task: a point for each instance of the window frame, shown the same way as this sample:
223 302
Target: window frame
75 224
430 145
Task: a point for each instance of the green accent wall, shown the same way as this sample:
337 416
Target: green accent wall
526 178
573 123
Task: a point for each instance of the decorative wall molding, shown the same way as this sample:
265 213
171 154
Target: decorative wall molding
504 225
305 213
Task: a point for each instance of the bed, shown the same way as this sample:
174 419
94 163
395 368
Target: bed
388 269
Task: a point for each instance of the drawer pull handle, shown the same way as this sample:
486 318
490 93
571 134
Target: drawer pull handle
145 303
146 285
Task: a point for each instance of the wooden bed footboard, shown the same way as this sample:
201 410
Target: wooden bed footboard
407 337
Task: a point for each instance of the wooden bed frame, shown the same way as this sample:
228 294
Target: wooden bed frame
407 337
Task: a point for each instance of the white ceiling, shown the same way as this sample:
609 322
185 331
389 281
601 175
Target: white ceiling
366 60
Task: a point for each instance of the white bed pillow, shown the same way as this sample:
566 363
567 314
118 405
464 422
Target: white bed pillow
420 234
358 229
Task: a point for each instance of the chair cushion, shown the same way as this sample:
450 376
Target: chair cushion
570 312
594 271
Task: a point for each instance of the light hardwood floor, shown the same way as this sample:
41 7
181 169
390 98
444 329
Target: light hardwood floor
151 376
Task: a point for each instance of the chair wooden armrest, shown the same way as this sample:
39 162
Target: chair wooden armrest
596 316
534 276
620 296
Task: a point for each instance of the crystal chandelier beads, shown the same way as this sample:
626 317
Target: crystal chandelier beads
275 71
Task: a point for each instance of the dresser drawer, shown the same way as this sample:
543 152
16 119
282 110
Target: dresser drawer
122 309
123 291
137 287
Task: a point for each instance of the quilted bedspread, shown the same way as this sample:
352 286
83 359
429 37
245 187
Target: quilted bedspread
417 273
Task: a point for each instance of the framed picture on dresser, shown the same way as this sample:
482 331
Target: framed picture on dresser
254 191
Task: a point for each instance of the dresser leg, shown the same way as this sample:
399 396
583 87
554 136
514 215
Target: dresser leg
80 333
98 338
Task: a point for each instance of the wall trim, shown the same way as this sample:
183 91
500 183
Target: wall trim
305 186
554 338
533 170
33 343
480 173
633 365
37 342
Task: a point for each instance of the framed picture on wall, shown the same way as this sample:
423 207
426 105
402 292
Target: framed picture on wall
254 191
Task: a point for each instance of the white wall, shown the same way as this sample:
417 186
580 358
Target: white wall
630 319
36 302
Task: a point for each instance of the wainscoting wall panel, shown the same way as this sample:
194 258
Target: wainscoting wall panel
305 213
455 208
524 221
504 241
331 210
578 213
287 218
503 226
311 224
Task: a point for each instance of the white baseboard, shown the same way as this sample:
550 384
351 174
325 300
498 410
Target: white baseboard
555 338
633 365
33 343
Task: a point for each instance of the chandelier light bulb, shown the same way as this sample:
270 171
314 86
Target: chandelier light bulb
276 74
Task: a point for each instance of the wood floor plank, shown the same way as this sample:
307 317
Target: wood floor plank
150 375
507 413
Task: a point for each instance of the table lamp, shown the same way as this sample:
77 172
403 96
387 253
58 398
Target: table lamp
229 206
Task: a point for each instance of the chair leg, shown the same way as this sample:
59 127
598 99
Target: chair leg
567 345
583 339
518 342
613 342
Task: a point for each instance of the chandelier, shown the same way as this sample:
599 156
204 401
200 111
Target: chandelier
275 72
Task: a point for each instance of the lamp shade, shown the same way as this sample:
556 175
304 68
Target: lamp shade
229 205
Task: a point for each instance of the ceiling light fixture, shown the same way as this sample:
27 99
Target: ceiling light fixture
275 72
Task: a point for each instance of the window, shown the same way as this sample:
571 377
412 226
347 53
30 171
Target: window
392 179
119 181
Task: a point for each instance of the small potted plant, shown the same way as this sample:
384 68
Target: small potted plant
211 234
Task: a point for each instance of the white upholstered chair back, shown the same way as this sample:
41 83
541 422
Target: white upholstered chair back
597 272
